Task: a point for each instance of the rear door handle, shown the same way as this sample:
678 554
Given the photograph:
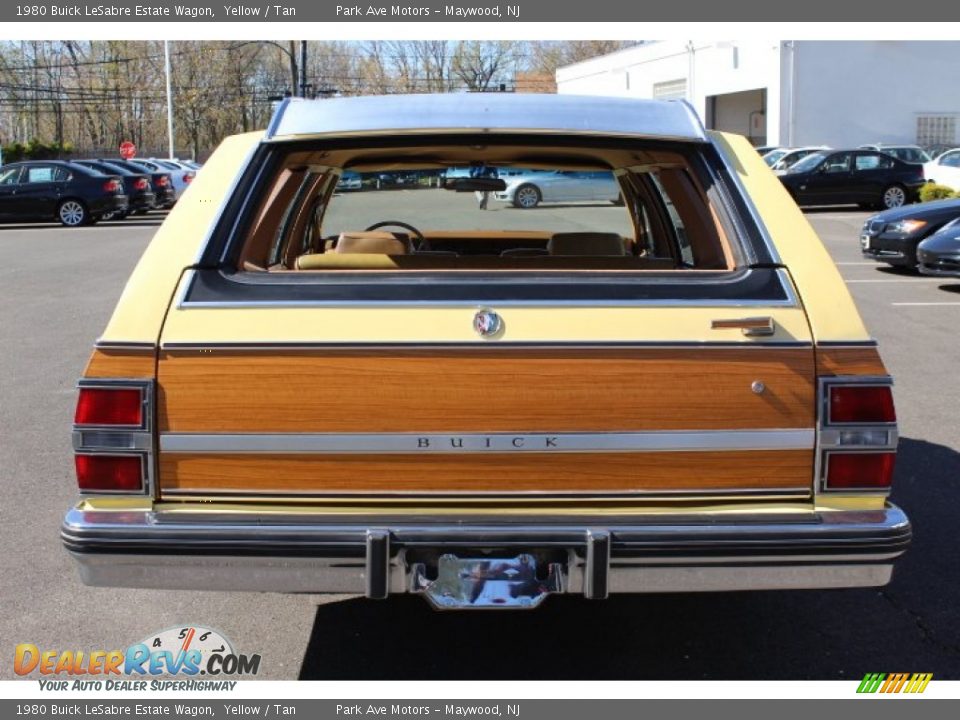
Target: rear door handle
751 327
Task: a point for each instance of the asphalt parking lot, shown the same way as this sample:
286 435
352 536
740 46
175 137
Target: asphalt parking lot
58 288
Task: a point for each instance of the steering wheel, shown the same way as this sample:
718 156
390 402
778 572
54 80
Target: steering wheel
419 241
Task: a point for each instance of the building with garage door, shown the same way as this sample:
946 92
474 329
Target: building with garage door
793 93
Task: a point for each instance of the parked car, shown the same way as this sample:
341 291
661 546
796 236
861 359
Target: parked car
792 157
180 175
771 157
863 177
136 186
350 181
892 237
939 254
764 149
480 415
160 181
528 190
57 190
906 153
945 170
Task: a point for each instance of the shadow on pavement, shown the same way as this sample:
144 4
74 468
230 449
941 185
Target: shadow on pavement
828 634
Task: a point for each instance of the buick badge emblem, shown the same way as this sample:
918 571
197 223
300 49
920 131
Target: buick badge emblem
487 323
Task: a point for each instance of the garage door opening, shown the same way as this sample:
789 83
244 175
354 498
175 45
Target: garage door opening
743 113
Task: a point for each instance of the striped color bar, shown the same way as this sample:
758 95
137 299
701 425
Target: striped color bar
894 682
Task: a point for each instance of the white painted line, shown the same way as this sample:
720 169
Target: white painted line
928 281
924 304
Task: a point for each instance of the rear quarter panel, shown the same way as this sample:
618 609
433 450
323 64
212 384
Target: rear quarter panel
832 314
139 314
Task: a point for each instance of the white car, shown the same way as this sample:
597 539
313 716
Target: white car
790 158
529 189
945 170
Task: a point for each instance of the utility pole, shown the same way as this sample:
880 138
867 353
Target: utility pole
166 64
303 68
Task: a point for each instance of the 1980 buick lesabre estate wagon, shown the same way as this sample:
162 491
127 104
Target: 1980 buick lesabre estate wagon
393 391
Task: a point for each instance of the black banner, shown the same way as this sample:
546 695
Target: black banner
300 11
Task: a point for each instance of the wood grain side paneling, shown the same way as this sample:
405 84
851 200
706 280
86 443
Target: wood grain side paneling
505 473
849 361
487 390
109 363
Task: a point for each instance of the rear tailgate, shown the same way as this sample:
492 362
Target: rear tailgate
585 401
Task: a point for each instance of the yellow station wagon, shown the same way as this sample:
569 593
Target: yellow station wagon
393 390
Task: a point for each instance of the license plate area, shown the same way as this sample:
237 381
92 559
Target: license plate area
864 242
522 581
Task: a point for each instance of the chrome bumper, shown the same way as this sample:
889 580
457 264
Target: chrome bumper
381 556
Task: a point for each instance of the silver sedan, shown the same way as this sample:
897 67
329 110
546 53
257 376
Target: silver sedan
527 190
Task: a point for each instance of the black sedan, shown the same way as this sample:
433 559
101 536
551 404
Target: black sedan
939 254
57 190
136 185
863 177
892 236
161 182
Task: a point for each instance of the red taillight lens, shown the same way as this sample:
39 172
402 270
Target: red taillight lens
860 470
188 177
163 181
109 473
111 186
861 404
109 406
141 184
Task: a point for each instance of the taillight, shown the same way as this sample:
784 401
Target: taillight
141 184
861 404
858 434
112 436
111 186
188 177
109 406
163 181
859 471
109 473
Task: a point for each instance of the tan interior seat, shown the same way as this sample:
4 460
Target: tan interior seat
590 244
372 243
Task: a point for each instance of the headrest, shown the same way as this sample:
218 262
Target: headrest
591 244
371 243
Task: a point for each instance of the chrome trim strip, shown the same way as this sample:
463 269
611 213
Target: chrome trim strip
752 494
270 345
500 442
474 304
123 345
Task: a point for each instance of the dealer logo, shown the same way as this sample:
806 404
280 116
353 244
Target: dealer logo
189 651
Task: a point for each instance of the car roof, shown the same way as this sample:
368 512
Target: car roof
485 112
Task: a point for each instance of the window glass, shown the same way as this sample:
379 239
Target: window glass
838 163
40 174
9 176
873 162
951 160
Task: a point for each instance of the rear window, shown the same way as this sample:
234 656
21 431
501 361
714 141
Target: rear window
490 209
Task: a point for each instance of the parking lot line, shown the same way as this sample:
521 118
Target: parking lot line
928 281
923 304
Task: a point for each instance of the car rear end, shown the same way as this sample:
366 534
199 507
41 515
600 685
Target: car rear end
103 194
488 440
